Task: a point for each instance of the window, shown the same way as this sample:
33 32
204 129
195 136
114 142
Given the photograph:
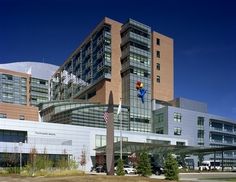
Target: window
22 117
158 41
3 115
228 128
7 77
200 143
177 131
180 143
177 117
160 130
200 133
42 82
158 66
100 140
160 118
200 121
13 136
158 79
158 54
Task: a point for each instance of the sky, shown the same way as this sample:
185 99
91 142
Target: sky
204 33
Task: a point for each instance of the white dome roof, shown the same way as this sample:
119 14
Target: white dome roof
37 69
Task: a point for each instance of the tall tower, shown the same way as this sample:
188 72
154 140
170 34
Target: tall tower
162 68
136 66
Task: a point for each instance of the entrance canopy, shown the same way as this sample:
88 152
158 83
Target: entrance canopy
136 147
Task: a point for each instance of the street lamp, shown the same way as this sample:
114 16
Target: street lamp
20 145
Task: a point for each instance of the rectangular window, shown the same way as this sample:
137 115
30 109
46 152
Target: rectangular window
158 79
177 131
158 66
200 133
200 143
160 130
3 115
13 136
158 41
180 143
158 54
160 118
7 77
200 121
177 117
100 140
22 117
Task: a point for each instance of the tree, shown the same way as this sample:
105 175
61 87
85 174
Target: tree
171 170
200 158
144 166
83 160
120 168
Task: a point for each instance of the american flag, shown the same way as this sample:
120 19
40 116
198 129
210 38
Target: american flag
105 116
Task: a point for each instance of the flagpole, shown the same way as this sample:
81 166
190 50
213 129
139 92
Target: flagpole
121 136
120 116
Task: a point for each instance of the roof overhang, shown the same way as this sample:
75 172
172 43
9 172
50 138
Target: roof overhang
136 147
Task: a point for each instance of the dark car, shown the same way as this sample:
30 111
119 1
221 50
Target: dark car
157 169
101 169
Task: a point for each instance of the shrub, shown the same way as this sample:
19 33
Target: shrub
171 170
144 165
120 168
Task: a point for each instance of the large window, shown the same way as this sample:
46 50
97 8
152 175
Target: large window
228 128
100 140
177 117
13 136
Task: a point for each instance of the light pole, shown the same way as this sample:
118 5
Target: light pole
20 145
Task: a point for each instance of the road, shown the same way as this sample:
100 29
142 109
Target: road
204 177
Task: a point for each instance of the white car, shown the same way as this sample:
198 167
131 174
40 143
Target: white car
128 169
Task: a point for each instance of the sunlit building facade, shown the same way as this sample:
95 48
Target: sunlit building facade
71 99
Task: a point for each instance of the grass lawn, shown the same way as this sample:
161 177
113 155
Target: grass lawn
87 178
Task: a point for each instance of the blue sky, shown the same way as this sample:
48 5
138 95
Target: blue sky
204 33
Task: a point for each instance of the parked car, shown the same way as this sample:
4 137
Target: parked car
101 169
157 169
129 169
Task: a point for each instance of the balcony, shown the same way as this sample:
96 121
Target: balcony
216 129
215 141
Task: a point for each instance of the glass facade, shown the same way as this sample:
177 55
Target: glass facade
13 89
38 91
90 115
135 59
88 65
100 140
13 136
